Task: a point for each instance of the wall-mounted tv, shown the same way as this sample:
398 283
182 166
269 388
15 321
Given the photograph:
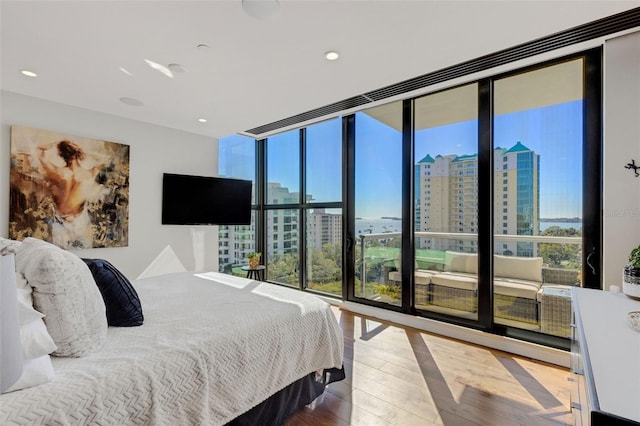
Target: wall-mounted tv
200 200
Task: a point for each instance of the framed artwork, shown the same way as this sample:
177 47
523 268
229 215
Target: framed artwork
68 190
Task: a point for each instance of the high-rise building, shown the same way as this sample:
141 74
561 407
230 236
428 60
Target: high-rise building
447 198
323 228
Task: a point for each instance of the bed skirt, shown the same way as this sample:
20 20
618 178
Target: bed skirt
276 409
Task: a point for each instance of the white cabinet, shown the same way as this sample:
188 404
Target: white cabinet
605 359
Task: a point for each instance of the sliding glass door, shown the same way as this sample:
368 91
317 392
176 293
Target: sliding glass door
503 212
446 202
538 204
378 204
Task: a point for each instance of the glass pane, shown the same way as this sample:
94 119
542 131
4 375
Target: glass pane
538 196
446 202
324 250
235 242
237 159
378 203
283 168
282 246
324 161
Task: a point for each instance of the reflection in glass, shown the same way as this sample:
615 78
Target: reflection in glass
234 243
236 157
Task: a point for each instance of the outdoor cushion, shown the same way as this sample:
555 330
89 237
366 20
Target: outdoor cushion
461 262
456 280
516 288
520 268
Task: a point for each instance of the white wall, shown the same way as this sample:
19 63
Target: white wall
621 145
153 150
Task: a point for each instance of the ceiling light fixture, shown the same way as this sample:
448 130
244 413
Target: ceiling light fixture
131 101
124 70
202 120
261 9
331 55
28 73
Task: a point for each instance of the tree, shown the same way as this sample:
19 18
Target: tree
561 255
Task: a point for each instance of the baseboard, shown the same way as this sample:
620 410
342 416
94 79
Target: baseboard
506 344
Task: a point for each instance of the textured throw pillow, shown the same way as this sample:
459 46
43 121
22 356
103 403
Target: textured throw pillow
65 292
120 298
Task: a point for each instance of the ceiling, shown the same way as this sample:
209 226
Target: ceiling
89 54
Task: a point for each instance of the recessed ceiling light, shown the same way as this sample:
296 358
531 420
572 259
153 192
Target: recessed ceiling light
131 101
124 70
331 55
28 73
202 120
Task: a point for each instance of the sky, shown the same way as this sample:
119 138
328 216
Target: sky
554 132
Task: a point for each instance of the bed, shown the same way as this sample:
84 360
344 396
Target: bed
214 349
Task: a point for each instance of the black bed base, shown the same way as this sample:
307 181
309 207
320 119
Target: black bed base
281 405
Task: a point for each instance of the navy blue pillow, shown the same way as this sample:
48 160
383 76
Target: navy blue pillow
120 298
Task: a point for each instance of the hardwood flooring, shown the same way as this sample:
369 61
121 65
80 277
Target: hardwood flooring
397 375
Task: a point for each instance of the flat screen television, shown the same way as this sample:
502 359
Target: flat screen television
200 200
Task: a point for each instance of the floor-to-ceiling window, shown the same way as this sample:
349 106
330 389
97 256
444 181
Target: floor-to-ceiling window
323 207
378 204
497 202
483 224
538 185
304 207
446 201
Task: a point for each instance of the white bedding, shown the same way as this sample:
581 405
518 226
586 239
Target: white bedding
212 346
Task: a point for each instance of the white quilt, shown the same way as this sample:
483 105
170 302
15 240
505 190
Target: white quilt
212 346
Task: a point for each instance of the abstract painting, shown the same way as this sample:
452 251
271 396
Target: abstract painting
71 191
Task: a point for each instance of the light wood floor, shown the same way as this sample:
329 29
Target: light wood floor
401 376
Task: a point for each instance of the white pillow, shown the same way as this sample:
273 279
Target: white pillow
9 246
35 340
10 351
34 337
520 268
65 292
461 262
34 372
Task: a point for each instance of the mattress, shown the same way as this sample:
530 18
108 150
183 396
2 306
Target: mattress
212 347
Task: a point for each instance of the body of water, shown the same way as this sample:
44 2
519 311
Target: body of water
377 226
563 225
381 226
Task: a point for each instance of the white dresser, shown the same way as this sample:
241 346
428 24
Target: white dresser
605 359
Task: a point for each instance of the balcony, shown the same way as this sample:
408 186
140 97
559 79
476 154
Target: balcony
530 292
